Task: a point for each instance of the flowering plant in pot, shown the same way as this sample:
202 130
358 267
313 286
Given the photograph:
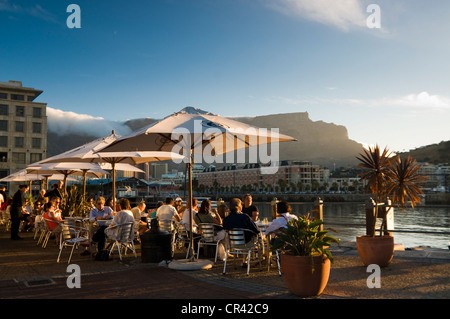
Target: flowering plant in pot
305 258
386 176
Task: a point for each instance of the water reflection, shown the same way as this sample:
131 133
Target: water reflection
436 219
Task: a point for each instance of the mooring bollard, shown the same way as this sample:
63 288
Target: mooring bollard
318 210
273 203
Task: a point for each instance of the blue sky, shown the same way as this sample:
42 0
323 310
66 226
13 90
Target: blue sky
133 59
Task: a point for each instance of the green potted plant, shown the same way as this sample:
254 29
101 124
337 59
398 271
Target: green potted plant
74 204
305 259
387 177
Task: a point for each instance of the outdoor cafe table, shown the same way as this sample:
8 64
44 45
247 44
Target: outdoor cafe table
265 240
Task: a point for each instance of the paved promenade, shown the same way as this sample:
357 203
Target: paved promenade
28 271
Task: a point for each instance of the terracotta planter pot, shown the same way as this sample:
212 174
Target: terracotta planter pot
299 278
375 250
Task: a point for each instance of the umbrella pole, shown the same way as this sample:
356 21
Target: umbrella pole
191 218
113 177
84 184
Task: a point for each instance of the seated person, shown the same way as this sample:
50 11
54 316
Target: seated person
185 220
101 212
123 216
140 216
28 217
284 216
168 211
152 213
204 216
238 220
53 218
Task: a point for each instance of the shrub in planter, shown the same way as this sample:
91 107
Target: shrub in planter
305 258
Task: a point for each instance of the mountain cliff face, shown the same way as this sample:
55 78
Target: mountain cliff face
326 144
322 143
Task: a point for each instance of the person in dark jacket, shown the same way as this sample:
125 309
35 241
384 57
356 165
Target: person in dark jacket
236 219
17 211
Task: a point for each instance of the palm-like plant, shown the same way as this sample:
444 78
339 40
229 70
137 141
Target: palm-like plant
303 237
377 173
390 176
405 179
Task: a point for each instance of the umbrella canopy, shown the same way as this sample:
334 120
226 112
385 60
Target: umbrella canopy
193 131
66 169
87 153
23 176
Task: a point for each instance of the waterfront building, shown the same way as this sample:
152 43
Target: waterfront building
23 127
289 175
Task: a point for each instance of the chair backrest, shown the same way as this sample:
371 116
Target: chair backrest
236 237
181 230
126 230
166 225
65 230
207 232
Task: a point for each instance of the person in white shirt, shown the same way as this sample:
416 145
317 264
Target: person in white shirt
123 216
140 215
167 211
283 211
185 218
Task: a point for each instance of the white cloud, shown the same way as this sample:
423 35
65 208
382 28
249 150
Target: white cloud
64 123
343 14
421 100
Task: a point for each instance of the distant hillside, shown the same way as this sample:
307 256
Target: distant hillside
435 153
322 143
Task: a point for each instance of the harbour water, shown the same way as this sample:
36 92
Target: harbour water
422 219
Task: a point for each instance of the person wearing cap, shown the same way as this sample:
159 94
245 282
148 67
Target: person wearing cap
178 204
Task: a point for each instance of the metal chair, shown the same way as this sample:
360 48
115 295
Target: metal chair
6 220
71 236
181 238
238 246
121 235
39 226
48 232
166 225
207 238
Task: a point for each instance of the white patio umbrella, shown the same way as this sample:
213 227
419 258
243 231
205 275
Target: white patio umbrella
194 130
23 176
87 153
66 169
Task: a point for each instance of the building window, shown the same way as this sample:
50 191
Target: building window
3 125
20 126
35 157
4 173
30 98
3 141
18 158
37 127
37 112
17 97
19 141
20 110
3 157
4 96
4 110
35 142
